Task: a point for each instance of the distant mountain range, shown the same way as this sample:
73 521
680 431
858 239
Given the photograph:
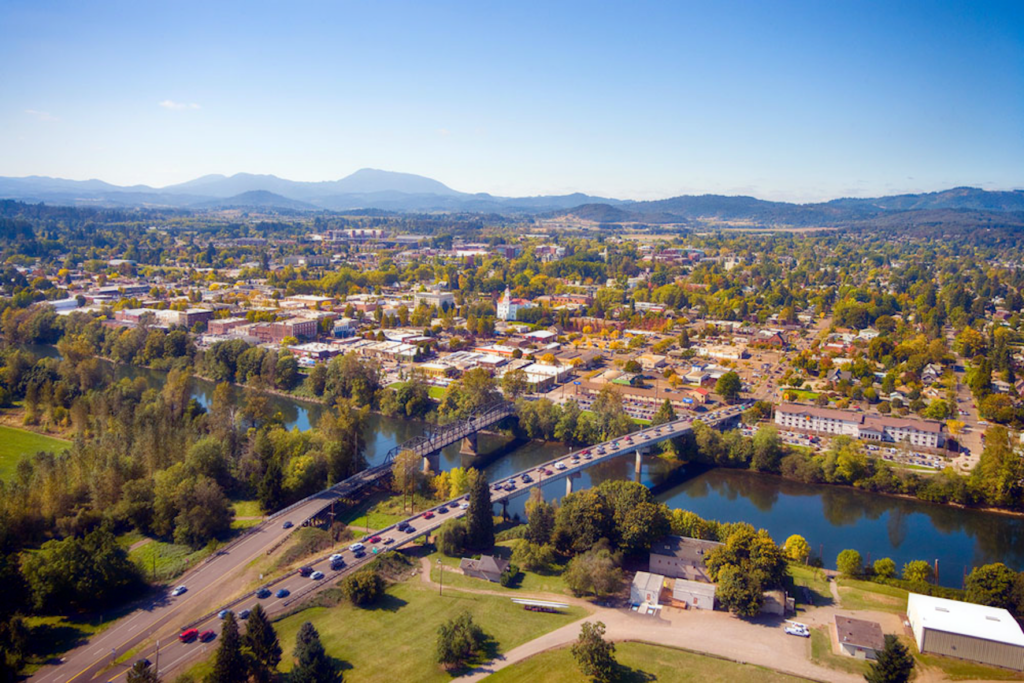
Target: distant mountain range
404 192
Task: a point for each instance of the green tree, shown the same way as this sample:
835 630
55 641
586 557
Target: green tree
993 585
451 537
894 663
584 518
666 413
533 557
729 386
739 591
610 417
229 665
540 522
480 516
768 449
594 655
514 384
141 673
312 665
458 641
407 474
261 645
884 568
363 588
849 563
917 570
595 572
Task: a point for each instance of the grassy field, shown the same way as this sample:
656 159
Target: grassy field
247 508
404 625
381 511
867 595
959 670
436 393
16 444
530 582
640 662
821 654
814 579
162 561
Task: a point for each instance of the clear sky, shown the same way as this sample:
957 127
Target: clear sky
781 100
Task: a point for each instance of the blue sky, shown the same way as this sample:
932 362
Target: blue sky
781 100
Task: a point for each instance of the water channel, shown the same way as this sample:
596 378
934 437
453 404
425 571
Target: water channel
831 518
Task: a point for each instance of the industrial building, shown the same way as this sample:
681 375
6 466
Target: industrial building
977 633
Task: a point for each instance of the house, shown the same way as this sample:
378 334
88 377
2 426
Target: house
835 375
646 588
859 638
977 633
931 373
487 567
681 557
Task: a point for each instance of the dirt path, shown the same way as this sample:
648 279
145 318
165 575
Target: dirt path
139 544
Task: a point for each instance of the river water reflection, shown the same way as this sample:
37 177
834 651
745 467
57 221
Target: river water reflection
830 518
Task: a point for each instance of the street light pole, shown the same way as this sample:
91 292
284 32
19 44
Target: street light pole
440 585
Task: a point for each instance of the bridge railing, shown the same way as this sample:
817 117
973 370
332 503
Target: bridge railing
450 433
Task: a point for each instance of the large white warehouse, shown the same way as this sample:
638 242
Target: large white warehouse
977 633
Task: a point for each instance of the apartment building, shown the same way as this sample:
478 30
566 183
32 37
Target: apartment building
916 432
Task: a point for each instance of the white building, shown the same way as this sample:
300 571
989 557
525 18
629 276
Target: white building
508 308
977 633
924 433
646 588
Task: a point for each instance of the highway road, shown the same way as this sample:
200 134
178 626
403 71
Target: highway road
164 618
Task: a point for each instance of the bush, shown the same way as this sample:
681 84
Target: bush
884 568
509 578
533 557
917 571
451 537
363 588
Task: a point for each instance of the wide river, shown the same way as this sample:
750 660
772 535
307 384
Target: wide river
831 518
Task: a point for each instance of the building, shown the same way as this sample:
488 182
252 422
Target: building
859 638
225 325
487 567
275 333
646 588
681 557
443 300
508 308
976 633
923 433
693 594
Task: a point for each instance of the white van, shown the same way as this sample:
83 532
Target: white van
356 547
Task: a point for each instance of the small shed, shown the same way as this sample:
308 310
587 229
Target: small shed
693 594
977 633
859 638
646 587
487 567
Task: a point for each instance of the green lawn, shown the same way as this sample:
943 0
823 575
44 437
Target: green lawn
247 508
405 627
16 444
959 670
52 636
530 582
822 654
436 393
812 578
162 561
640 662
381 511
867 595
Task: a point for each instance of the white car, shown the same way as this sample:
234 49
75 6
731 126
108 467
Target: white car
356 547
178 591
798 630
316 576
335 557
464 506
559 465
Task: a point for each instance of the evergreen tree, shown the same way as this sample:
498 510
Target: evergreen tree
261 644
229 665
894 663
666 413
312 663
480 526
141 673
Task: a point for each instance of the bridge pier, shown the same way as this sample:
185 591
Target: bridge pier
469 445
639 464
432 462
568 485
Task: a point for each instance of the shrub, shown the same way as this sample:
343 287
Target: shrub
884 568
849 563
363 588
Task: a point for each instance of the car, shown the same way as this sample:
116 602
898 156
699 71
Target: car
282 593
559 465
263 593
337 564
360 553
287 525
243 615
305 571
388 540
443 509
374 539
316 576
188 635
335 557
223 614
428 515
798 630
179 590
356 547
403 526
207 636
510 486
587 456
464 506
527 478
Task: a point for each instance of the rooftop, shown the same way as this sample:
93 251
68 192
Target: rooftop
858 632
966 619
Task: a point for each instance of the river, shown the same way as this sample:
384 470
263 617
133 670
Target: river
831 518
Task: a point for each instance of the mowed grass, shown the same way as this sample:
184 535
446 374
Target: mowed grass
395 640
162 561
867 595
382 511
959 670
822 654
813 579
640 662
16 444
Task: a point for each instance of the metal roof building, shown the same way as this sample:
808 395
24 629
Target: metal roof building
977 633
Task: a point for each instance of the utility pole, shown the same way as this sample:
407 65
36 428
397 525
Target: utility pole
440 585
156 666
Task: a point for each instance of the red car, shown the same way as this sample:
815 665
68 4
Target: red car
375 539
428 515
189 635
207 636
